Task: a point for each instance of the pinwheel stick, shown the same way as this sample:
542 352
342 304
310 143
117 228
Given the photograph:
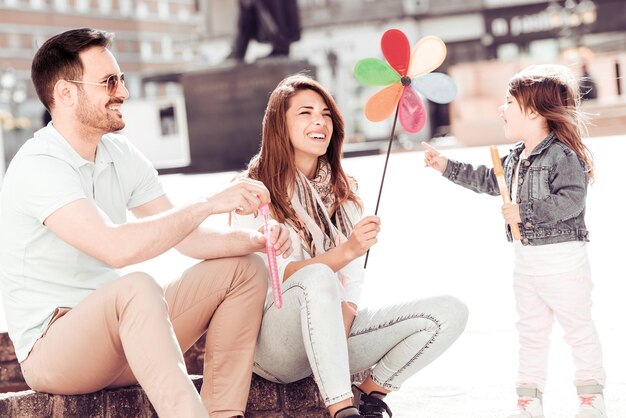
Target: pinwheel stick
504 191
382 181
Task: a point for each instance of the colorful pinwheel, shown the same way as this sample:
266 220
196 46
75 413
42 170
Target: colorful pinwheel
403 74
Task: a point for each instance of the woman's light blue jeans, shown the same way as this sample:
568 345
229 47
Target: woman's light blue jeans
307 336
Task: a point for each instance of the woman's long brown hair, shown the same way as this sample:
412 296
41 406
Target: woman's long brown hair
275 164
552 92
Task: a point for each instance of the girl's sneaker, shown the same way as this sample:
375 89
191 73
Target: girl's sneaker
527 407
591 406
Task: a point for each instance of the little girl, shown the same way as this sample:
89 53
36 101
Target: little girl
547 174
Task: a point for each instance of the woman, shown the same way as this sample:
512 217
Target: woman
320 330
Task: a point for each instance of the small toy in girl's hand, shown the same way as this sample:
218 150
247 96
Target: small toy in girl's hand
498 171
271 259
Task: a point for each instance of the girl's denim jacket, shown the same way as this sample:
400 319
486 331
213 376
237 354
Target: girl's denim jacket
551 191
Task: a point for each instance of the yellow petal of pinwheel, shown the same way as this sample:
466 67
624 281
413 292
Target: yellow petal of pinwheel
428 54
382 104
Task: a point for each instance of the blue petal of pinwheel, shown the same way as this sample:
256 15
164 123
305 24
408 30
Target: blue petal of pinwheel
436 87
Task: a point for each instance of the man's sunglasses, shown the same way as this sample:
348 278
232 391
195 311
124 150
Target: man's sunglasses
111 83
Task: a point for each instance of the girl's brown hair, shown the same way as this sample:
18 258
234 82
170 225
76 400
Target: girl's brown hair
275 165
552 91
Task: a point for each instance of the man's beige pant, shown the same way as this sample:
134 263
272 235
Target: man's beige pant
132 331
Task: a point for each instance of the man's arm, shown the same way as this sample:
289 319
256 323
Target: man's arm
203 242
160 227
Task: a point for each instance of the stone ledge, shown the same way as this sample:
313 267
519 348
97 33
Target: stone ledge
125 402
11 378
267 400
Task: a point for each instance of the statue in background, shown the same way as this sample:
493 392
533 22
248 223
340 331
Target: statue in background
588 88
268 21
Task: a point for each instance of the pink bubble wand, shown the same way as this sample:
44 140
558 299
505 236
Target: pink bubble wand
271 259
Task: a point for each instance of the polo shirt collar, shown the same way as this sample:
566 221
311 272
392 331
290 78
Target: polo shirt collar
103 157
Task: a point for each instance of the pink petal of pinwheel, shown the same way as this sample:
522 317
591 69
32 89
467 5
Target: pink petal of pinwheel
412 114
436 87
382 104
396 49
428 54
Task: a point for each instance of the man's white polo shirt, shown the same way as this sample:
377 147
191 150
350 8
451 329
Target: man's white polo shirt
38 271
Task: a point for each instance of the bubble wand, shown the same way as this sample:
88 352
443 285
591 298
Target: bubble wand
271 259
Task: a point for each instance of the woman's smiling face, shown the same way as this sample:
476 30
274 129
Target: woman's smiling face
310 127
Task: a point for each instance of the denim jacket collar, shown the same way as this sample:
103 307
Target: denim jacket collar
542 146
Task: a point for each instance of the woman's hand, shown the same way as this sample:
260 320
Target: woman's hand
433 159
363 236
279 237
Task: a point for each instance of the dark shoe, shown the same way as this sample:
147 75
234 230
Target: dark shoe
372 405
348 412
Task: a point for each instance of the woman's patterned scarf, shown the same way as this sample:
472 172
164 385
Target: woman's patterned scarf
312 201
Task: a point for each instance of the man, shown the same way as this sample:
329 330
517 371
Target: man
76 325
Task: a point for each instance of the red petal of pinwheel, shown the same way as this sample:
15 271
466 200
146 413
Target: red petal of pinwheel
428 54
412 113
382 104
396 49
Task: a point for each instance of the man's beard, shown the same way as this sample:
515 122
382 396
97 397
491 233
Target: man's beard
103 120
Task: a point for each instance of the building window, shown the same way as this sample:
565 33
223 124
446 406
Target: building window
146 50
163 9
82 6
142 10
37 4
183 12
126 7
60 5
105 6
167 49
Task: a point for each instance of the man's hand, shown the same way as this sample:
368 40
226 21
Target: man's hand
244 196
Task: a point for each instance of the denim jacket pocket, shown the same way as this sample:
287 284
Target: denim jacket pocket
539 187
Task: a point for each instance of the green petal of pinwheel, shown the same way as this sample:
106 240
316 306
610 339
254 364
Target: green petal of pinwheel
375 72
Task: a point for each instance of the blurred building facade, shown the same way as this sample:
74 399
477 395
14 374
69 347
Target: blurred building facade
150 36
486 39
